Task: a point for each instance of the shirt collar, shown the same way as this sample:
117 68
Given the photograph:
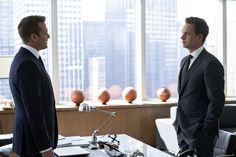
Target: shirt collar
196 53
32 50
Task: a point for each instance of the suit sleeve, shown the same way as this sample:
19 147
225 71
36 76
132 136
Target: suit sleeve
30 82
214 81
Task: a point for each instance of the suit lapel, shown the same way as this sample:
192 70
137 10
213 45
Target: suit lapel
192 69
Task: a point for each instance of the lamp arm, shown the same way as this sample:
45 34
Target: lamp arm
112 114
94 135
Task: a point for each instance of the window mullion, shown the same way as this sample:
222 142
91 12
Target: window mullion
53 49
141 51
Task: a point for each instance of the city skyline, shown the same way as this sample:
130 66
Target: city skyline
113 39
110 42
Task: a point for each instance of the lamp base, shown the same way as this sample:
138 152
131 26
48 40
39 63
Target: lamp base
93 147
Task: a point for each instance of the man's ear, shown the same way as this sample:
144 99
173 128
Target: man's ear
200 36
34 36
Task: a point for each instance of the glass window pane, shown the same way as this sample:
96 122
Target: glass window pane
231 47
6 28
11 12
25 8
96 46
5 92
164 51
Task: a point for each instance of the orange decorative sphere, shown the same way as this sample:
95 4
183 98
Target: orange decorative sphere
77 96
163 93
103 95
129 94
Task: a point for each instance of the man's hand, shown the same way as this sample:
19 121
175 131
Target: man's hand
49 153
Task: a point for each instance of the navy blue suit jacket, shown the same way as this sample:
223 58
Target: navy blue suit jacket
201 98
35 121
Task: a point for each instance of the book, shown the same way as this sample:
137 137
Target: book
63 142
70 151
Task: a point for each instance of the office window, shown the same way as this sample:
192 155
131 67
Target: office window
231 47
164 51
11 12
96 46
96 42
6 42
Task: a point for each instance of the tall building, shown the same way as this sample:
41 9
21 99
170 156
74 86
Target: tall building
70 47
161 45
81 43
97 79
6 28
94 61
11 12
6 41
120 42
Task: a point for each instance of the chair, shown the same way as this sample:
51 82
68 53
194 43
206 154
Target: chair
166 137
5 145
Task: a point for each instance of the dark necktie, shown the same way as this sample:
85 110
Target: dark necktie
41 61
185 69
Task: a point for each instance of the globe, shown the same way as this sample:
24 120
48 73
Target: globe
163 93
129 94
77 96
103 95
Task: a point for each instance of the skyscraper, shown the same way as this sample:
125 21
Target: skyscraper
6 41
161 45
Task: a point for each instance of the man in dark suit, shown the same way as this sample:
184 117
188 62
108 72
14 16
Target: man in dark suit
35 131
201 92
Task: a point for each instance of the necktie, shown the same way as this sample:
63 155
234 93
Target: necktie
41 61
185 69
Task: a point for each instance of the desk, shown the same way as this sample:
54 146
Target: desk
127 144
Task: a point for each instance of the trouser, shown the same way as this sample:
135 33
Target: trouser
203 145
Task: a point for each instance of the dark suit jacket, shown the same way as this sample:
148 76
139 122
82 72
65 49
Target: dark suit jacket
35 121
201 98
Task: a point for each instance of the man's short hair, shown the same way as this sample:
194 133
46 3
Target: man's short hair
29 25
200 26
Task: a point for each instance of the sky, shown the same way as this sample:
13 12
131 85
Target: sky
94 12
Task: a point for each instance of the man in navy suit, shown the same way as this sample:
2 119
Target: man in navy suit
201 92
35 131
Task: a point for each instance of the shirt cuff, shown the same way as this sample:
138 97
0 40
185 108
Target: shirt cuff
46 150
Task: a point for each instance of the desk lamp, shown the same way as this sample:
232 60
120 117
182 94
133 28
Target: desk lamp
86 108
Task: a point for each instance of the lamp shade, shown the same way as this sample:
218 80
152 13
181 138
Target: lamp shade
5 63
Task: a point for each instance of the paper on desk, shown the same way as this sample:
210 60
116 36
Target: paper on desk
78 141
64 142
5 136
72 141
